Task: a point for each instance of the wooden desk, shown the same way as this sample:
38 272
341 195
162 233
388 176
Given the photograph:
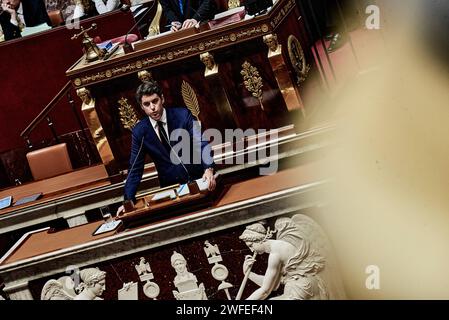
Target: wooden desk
177 61
43 254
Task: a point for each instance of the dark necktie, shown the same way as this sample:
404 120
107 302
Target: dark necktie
180 7
163 135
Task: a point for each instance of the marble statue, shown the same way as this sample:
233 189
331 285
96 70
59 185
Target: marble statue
91 287
297 260
185 281
219 271
150 289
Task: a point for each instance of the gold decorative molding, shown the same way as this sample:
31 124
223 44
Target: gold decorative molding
297 59
145 75
96 129
285 10
233 4
128 116
154 26
252 81
190 99
183 52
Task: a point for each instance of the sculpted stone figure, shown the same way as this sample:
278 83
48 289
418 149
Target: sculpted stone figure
185 281
84 95
271 40
297 258
209 62
91 287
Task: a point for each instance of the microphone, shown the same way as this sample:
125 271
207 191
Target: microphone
127 47
128 203
179 159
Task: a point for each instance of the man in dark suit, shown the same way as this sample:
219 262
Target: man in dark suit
182 14
152 135
18 14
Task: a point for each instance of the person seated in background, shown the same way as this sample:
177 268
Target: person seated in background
90 8
16 15
139 8
182 14
325 20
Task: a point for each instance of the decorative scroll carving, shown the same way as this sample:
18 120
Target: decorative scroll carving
128 116
219 271
252 81
185 281
285 10
95 127
233 4
289 92
190 100
298 257
298 59
91 286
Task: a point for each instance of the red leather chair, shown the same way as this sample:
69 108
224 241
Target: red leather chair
49 162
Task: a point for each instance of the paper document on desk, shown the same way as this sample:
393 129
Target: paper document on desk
164 195
202 185
183 190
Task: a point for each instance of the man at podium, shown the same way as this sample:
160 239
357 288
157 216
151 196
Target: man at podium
162 134
182 14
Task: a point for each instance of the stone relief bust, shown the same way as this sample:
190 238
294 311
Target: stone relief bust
185 281
91 287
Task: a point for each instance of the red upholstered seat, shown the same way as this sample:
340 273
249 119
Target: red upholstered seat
49 162
121 40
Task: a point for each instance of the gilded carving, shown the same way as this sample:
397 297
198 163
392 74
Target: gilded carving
282 13
209 62
298 59
252 81
128 116
271 40
190 99
175 54
145 75
233 4
94 125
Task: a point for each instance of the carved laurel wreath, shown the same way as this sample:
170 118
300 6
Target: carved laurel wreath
128 116
252 80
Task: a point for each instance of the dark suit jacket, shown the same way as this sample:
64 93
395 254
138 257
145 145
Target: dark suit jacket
10 31
169 173
34 14
200 10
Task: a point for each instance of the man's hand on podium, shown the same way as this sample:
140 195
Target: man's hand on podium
189 23
209 177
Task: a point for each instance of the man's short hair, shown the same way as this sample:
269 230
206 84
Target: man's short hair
147 89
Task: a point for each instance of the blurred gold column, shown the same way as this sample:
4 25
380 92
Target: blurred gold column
218 92
95 128
289 93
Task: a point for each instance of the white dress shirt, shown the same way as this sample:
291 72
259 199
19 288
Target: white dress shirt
164 121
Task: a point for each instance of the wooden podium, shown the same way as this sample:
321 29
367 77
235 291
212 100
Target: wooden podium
271 49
